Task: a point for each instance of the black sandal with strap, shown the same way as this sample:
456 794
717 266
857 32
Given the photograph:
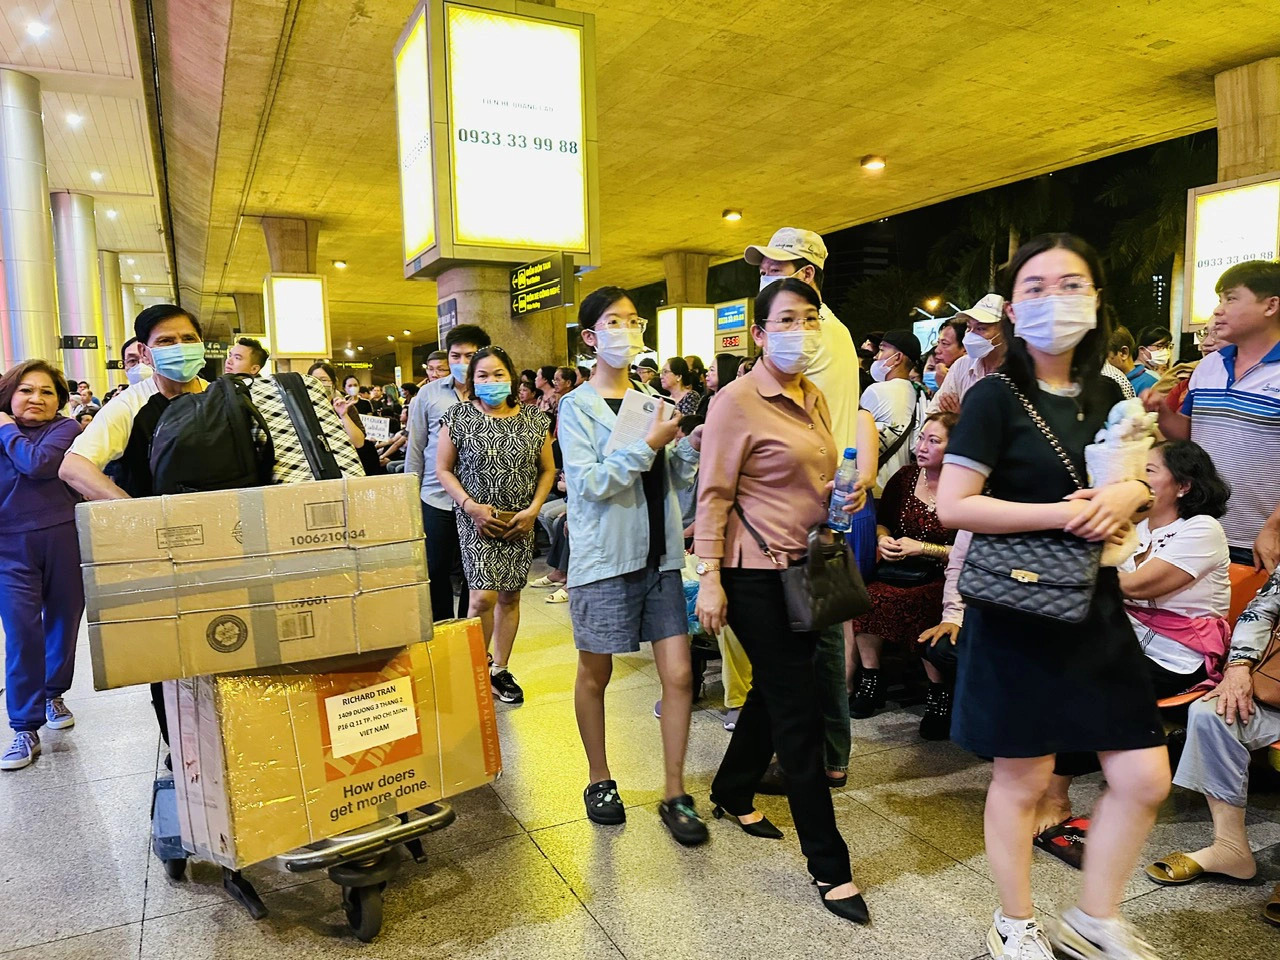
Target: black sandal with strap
604 806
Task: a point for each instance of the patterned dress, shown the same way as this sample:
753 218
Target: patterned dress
497 464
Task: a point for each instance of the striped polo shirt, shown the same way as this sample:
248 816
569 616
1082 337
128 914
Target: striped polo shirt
1235 417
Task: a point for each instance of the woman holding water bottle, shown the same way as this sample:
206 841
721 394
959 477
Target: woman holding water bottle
768 461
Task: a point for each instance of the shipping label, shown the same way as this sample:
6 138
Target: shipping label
361 719
189 535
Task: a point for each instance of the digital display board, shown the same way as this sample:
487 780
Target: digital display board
1227 223
731 316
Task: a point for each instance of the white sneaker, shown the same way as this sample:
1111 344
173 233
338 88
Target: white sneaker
1082 937
1018 940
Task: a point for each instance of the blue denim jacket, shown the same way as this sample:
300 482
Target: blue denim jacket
608 516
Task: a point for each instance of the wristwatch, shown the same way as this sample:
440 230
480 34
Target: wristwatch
707 566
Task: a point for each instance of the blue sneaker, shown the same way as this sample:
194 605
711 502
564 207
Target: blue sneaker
24 749
57 716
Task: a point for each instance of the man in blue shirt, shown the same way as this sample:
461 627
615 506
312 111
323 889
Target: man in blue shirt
1121 353
444 553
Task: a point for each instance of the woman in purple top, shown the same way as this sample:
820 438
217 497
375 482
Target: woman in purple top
41 593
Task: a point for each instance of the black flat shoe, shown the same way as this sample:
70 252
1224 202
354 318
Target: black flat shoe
853 909
758 828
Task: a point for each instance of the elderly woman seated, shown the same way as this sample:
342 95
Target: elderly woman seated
1222 729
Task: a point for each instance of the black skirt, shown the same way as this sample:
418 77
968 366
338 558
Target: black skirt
1030 687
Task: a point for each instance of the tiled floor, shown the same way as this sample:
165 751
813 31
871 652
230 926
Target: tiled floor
523 874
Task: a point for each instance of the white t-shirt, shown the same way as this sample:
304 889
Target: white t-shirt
1198 546
834 371
105 438
891 404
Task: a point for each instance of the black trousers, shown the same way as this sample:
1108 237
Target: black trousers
558 557
444 558
781 715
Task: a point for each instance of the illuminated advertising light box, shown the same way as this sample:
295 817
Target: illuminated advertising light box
297 316
686 330
497 131
1227 223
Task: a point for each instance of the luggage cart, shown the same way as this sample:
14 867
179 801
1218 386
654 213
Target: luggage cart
361 861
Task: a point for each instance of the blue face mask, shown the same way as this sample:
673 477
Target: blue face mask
494 394
179 362
459 372
931 381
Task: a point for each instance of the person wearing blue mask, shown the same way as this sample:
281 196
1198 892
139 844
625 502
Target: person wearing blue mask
444 555
494 460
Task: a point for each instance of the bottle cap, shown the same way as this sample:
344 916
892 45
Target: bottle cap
850 453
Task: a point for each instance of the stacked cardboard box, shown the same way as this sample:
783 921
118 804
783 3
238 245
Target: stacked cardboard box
207 583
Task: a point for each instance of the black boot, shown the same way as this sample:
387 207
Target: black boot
936 722
868 697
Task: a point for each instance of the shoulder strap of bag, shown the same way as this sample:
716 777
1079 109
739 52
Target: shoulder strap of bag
1044 428
902 437
764 547
315 445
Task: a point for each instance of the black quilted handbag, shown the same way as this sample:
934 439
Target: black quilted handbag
1050 575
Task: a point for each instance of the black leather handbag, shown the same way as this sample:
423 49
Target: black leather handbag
1049 574
825 587
909 571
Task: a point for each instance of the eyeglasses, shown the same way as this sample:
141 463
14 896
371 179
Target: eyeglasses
1072 287
634 323
787 324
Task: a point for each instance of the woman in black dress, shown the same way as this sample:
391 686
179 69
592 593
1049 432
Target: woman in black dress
1028 688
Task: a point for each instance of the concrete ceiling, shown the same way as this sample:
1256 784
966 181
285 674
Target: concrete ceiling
286 108
89 68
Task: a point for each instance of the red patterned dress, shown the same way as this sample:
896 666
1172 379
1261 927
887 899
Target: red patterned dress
901 614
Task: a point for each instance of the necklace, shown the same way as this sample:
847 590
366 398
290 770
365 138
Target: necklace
1070 391
926 494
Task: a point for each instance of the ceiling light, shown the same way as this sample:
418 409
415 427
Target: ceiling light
390 337
36 29
405 333
340 264
95 176
933 303
74 119
129 261
349 352
733 216
111 214
360 348
137 276
873 162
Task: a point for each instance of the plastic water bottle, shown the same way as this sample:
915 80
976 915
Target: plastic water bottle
846 480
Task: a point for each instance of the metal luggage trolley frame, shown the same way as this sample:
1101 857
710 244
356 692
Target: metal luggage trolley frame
361 861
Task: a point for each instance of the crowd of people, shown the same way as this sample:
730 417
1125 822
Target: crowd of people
967 447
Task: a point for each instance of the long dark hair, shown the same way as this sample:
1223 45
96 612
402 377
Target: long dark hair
726 368
1091 352
681 369
506 361
1207 493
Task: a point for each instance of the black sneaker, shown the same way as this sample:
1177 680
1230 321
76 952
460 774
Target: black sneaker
682 820
505 688
936 722
868 697
604 806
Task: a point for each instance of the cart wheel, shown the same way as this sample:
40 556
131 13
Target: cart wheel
176 869
363 906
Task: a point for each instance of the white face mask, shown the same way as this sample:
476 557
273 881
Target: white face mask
879 370
767 279
352 391
1056 324
1160 358
976 345
791 351
616 347
138 372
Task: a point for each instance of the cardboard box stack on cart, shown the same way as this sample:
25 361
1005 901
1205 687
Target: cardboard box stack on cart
309 695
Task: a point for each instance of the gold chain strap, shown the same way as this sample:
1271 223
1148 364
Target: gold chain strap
1038 420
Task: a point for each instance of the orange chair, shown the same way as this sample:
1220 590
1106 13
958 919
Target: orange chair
1245 584
1181 699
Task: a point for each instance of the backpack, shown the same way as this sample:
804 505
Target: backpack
205 441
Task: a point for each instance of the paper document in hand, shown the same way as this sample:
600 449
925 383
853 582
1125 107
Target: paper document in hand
376 428
635 418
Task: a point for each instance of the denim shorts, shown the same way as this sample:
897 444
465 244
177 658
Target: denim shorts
618 614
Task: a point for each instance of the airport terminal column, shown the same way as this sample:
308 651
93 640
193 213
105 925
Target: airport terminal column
483 294
686 276
130 308
1248 119
28 293
113 320
75 252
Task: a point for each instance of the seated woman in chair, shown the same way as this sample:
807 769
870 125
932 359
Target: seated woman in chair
1176 588
1222 729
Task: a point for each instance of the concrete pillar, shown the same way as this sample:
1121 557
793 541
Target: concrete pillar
483 294
29 314
250 312
1248 119
404 360
686 276
291 244
75 252
113 321
130 308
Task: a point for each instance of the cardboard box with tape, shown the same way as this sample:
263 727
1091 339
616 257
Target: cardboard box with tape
206 583
268 761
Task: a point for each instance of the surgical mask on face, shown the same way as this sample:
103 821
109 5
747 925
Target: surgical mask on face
616 347
791 351
353 390
1160 358
179 362
976 345
459 372
1055 324
767 279
879 370
138 372
930 379
493 394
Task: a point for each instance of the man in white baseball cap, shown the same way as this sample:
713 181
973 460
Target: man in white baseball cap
984 349
793 252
